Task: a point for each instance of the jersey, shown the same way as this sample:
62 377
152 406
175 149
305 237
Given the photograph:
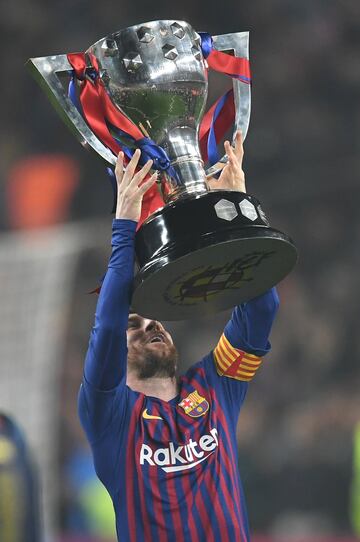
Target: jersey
170 466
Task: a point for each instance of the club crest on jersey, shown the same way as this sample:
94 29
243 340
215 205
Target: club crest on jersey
194 404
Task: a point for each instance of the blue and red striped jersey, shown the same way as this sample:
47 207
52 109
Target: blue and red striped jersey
170 466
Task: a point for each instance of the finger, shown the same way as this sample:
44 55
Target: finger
119 167
233 160
239 149
148 184
131 167
140 175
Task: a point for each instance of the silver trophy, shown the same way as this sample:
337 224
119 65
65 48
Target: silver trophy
203 251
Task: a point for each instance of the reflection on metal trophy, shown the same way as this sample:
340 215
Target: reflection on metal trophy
146 86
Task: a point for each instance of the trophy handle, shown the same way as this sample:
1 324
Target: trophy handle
46 71
237 43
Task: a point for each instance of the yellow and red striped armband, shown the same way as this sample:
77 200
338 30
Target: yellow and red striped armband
233 362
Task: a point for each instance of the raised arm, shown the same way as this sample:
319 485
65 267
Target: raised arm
251 323
105 364
106 359
237 356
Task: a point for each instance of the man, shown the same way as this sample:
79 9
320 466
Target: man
165 448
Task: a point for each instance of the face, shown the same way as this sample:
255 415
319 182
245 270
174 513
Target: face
151 351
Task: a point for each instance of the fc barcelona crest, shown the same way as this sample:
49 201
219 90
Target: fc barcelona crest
194 404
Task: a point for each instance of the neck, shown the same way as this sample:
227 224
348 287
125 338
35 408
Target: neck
163 388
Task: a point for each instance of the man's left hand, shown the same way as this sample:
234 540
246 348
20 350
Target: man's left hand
232 176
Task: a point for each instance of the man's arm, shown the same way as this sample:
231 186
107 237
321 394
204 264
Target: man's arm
105 364
245 340
238 354
246 337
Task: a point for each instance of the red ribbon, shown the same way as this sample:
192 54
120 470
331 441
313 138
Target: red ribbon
232 66
222 123
229 64
98 108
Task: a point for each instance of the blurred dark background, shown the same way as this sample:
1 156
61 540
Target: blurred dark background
297 429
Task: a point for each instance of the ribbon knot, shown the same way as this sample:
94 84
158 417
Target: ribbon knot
150 150
78 62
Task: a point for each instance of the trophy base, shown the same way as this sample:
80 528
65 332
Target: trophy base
201 255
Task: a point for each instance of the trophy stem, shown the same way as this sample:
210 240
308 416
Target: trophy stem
193 173
183 150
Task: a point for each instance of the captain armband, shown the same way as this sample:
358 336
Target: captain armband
235 363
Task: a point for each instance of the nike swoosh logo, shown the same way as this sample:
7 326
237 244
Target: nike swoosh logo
185 467
150 417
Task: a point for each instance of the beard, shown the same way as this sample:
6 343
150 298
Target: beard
148 361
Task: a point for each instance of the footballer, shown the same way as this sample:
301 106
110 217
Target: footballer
165 446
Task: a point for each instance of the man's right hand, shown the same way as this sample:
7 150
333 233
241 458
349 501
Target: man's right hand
130 189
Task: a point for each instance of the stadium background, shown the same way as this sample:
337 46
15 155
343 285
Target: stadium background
298 429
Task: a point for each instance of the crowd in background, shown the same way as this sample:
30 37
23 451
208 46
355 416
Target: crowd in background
296 429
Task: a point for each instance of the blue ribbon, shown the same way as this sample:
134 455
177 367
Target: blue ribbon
149 151
242 78
213 155
72 92
206 43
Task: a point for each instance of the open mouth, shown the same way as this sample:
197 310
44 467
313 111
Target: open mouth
158 338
